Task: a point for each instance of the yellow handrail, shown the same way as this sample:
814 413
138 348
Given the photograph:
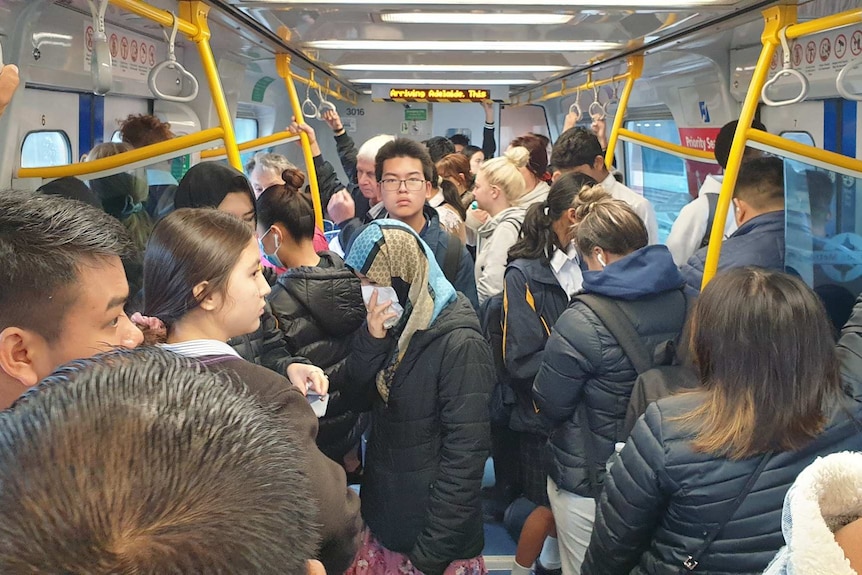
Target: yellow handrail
804 151
350 98
775 18
282 65
257 143
192 22
823 24
157 15
667 147
125 159
196 12
567 91
636 66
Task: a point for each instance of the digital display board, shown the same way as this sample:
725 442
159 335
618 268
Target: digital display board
439 94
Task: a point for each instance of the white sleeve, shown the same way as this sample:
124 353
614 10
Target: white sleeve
650 221
688 229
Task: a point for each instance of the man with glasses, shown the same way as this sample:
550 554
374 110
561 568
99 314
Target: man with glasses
404 171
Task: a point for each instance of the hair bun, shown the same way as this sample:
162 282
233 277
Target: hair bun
293 178
588 198
518 155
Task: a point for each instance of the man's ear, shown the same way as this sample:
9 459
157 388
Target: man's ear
556 175
315 567
429 190
599 163
20 352
740 209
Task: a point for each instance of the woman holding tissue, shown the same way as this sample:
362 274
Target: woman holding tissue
430 434
318 305
202 279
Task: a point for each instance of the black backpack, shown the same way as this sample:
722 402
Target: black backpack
659 371
503 398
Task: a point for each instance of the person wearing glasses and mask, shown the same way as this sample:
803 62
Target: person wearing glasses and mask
404 173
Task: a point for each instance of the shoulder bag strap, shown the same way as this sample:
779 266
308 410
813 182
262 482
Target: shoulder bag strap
453 257
713 206
691 563
611 314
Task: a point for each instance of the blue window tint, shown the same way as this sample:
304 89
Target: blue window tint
660 177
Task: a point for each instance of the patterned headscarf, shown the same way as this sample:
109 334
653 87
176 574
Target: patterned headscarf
387 249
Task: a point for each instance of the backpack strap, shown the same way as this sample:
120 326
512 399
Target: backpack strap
614 318
713 205
691 562
453 258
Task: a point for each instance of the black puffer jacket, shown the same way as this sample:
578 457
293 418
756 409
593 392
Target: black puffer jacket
428 445
660 496
266 345
583 363
319 309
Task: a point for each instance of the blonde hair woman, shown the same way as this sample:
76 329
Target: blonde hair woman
499 185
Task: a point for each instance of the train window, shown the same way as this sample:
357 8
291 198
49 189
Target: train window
46 148
659 176
824 232
801 137
247 129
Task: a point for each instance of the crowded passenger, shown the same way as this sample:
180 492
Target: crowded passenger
476 156
211 185
499 187
9 81
405 172
429 436
702 479
359 168
822 519
438 148
586 378
62 287
123 195
146 130
455 168
758 208
446 201
693 225
202 280
267 169
319 307
543 273
460 141
72 189
141 462
579 150
535 173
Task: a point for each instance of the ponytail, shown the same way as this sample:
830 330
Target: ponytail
538 239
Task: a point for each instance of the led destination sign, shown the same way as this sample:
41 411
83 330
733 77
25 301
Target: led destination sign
439 94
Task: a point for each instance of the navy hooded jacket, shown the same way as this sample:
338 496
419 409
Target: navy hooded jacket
584 363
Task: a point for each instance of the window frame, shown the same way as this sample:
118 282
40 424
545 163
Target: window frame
66 139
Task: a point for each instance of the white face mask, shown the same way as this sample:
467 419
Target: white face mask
384 294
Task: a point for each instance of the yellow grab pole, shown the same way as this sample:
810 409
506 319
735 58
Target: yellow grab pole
636 66
775 18
282 65
196 12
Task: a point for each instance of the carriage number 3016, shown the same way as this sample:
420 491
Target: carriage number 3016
355 111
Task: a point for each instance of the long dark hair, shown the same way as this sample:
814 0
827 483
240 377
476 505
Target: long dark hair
763 347
538 240
187 247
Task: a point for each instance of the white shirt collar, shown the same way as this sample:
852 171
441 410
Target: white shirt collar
437 199
200 348
562 257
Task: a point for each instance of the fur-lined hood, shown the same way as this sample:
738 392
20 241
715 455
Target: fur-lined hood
825 497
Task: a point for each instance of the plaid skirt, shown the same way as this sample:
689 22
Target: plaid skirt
533 467
375 559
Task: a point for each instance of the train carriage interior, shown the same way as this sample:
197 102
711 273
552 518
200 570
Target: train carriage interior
229 76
